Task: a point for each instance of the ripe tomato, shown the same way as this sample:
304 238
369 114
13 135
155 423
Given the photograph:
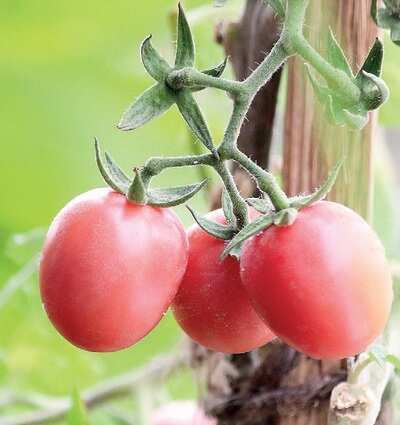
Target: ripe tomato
110 269
211 305
321 284
180 413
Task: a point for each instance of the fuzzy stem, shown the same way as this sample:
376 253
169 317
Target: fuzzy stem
156 165
239 205
291 42
266 181
189 77
343 85
263 73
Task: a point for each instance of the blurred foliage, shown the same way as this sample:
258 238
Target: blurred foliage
68 69
77 414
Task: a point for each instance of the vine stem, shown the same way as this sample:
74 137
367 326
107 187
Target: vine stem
290 43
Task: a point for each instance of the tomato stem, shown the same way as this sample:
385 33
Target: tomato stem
176 84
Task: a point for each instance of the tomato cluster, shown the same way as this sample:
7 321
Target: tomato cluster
110 269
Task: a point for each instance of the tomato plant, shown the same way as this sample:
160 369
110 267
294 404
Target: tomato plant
212 306
110 269
321 284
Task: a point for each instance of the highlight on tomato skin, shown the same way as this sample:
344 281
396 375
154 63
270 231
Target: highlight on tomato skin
322 284
212 306
110 269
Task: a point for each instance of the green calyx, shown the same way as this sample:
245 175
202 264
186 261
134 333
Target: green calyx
373 91
171 88
346 97
388 18
282 218
137 189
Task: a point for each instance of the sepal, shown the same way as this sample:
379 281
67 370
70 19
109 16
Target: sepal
262 205
336 56
213 72
193 116
285 217
259 224
374 60
336 112
153 102
173 196
219 231
300 202
185 50
137 190
111 173
155 65
374 90
227 207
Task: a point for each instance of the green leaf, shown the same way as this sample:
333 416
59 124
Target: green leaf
111 173
321 193
261 205
77 414
194 118
219 231
373 62
185 50
227 207
152 103
256 226
173 196
336 55
155 65
277 6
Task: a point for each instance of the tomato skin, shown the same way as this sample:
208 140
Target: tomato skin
211 305
322 284
110 269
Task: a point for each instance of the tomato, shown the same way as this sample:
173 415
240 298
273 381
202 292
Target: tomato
322 284
211 305
110 269
180 413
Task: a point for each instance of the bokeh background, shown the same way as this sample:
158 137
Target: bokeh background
68 69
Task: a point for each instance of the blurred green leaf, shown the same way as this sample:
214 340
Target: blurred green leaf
77 414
